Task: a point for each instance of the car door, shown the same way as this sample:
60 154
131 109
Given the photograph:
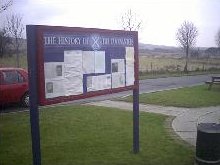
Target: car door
12 86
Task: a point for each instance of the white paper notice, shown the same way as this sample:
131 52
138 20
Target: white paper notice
99 61
89 84
71 70
53 70
54 79
73 73
54 88
88 62
129 66
70 56
73 85
118 80
118 65
129 74
118 73
100 82
64 78
129 54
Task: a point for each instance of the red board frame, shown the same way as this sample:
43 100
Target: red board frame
40 30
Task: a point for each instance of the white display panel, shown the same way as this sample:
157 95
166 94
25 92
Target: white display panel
129 66
66 78
101 82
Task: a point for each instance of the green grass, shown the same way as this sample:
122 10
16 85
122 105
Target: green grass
190 97
89 135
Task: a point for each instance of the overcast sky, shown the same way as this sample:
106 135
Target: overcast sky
161 18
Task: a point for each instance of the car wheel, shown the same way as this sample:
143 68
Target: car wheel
25 100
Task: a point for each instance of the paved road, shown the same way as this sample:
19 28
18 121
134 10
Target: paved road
151 85
159 84
146 86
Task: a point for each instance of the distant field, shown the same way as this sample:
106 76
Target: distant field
11 61
157 64
148 64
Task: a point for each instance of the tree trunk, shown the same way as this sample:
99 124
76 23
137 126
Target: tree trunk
17 59
186 67
1 52
17 54
187 59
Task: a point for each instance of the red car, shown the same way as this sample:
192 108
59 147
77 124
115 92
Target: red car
14 86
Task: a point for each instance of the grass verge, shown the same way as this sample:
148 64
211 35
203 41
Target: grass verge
89 135
153 75
190 97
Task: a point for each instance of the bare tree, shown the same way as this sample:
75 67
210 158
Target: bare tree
186 36
15 29
5 5
217 39
130 21
5 41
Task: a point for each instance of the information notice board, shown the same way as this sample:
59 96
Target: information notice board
67 63
76 63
